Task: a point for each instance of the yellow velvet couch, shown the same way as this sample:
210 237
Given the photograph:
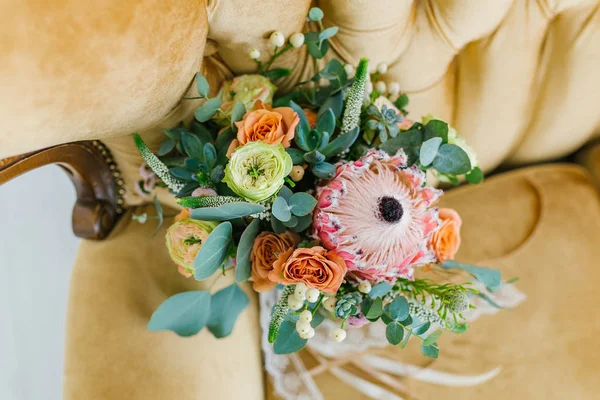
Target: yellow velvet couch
519 79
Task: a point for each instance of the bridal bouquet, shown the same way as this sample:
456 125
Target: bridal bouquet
320 194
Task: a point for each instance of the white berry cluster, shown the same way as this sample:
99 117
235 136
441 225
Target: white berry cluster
296 301
277 39
425 314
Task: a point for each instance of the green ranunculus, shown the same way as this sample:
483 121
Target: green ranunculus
256 171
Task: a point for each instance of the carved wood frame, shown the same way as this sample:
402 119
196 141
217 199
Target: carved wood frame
97 181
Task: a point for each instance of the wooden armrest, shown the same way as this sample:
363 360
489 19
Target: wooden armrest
97 181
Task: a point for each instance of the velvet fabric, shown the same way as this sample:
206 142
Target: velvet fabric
518 79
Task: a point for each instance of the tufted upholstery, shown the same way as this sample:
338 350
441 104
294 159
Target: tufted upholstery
519 79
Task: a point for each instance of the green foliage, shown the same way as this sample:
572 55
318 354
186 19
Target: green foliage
335 103
410 141
302 204
372 308
227 211
398 309
213 252
429 150
315 14
475 177
401 103
278 73
297 156
432 351
209 108
244 267
288 341
341 143
422 328
431 339
281 210
328 33
225 307
185 313
202 85
380 290
436 128
394 332
451 159
491 278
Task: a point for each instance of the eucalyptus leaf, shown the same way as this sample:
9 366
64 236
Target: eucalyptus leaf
213 252
398 309
323 170
328 33
207 109
292 222
303 223
372 308
421 329
244 267
210 155
285 192
226 211
394 332
315 14
281 210
302 204
475 176
184 313
288 341
225 307
451 159
277 226
405 340
492 278
432 338
380 290
166 147
429 150
436 128
182 173
410 141
432 351
202 85
237 114
192 145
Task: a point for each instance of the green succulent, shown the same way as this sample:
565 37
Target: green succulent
347 305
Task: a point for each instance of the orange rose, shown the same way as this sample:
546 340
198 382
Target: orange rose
272 126
268 247
446 240
316 267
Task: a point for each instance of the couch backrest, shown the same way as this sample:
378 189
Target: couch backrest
519 79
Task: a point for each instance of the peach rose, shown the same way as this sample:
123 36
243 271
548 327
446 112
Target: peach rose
270 125
316 267
185 238
446 240
268 247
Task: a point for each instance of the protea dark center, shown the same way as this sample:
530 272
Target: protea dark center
390 209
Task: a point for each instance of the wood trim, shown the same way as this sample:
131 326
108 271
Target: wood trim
97 181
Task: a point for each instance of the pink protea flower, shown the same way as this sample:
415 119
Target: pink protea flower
377 214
